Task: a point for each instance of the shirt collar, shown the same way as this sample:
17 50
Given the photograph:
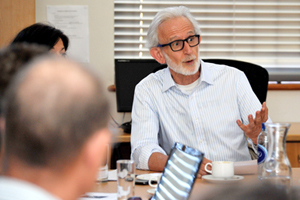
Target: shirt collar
168 80
205 76
206 73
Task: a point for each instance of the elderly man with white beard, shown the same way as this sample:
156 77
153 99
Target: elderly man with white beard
206 106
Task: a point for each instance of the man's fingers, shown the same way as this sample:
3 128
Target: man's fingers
241 125
202 167
265 112
202 172
250 118
258 118
250 126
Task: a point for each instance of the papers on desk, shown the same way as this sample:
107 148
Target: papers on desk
98 195
112 175
245 167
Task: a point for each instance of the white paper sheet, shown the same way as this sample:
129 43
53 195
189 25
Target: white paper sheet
112 175
245 167
98 195
73 21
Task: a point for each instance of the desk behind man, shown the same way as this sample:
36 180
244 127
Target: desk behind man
202 105
55 132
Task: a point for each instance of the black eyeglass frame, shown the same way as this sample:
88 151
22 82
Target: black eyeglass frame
185 40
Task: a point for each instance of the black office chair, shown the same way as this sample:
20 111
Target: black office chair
258 76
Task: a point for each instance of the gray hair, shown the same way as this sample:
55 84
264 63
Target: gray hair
165 14
51 109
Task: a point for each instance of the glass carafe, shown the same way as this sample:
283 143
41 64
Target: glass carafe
277 167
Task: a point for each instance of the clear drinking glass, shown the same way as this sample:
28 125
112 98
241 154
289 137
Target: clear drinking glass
126 179
277 168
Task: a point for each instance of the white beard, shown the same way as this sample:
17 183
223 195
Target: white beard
180 69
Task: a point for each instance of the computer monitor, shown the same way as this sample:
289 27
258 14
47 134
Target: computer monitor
128 73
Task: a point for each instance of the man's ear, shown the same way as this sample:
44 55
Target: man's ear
92 156
199 40
157 54
96 152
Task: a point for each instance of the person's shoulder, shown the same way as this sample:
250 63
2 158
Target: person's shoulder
153 79
222 68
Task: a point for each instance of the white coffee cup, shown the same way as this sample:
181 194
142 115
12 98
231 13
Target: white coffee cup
221 169
154 178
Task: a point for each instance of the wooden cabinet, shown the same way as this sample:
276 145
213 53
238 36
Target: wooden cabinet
15 15
293 152
293 145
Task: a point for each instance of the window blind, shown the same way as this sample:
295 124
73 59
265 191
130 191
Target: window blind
265 32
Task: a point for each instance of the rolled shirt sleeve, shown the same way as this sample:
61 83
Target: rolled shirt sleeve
145 128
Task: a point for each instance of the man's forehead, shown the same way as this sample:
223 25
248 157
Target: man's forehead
175 29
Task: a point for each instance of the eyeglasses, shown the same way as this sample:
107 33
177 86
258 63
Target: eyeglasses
178 45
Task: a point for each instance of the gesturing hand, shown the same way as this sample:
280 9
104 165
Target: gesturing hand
253 129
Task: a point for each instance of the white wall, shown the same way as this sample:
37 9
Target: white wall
101 24
283 105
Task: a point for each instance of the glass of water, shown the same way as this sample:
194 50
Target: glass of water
126 179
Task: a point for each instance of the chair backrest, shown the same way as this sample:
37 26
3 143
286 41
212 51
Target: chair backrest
258 76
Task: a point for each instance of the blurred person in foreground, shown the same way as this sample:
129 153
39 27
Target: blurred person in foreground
206 106
56 135
12 59
54 39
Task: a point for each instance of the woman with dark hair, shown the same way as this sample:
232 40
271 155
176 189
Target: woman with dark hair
46 35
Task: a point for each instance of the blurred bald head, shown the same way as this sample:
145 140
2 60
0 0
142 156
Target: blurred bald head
53 107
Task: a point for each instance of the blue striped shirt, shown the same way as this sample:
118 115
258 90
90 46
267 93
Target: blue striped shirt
205 119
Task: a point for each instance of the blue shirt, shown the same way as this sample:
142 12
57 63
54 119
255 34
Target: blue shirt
205 119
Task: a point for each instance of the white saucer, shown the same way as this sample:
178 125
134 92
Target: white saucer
146 177
212 179
151 191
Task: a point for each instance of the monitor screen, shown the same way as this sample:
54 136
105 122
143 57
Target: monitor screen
128 73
